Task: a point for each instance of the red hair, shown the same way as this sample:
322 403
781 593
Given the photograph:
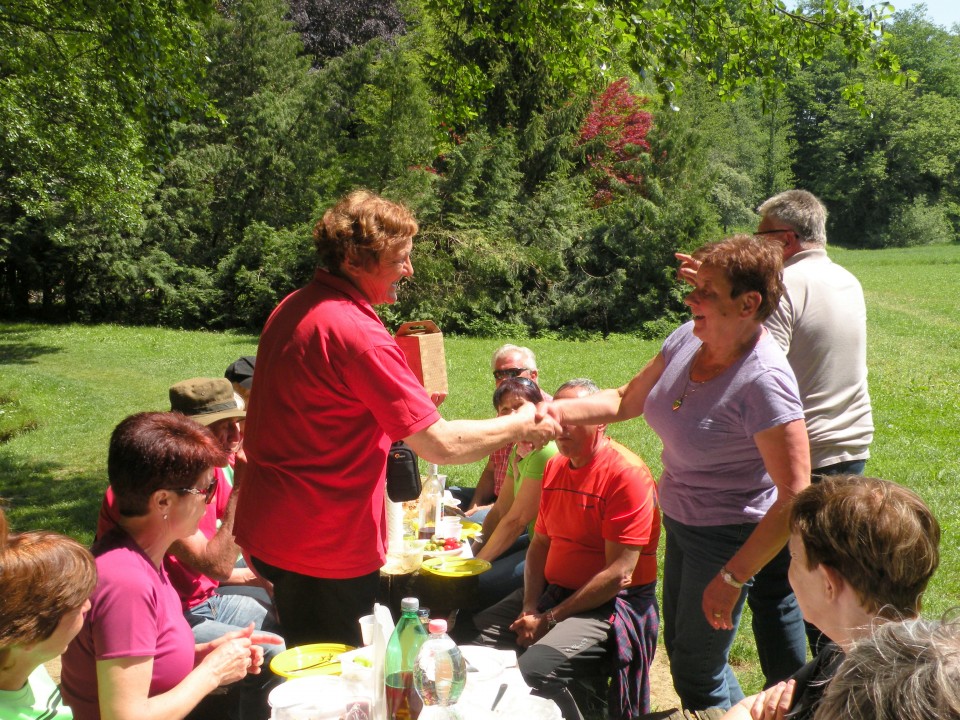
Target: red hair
153 451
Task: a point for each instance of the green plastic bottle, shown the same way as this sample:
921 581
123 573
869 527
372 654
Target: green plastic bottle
403 702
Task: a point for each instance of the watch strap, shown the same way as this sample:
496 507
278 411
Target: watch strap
729 578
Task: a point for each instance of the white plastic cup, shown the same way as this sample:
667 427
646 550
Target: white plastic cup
366 629
452 527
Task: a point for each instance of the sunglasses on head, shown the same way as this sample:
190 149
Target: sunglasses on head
509 373
208 492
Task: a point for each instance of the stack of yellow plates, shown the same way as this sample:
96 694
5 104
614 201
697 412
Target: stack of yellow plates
455 566
469 529
317 659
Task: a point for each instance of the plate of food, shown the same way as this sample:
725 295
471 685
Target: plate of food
442 547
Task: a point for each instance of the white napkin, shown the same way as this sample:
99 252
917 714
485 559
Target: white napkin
394 526
382 630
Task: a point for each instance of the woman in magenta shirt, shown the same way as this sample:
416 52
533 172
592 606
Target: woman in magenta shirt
135 657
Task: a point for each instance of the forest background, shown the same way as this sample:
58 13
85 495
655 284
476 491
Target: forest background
163 162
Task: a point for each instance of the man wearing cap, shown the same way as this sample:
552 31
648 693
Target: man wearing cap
240 374
197 564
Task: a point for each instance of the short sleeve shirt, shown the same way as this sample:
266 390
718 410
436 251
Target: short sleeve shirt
332 390
713 473
135 612
38 699
531 468
613 497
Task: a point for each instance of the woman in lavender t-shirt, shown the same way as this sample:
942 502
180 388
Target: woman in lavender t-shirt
724 401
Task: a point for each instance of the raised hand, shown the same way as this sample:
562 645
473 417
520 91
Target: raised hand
688 268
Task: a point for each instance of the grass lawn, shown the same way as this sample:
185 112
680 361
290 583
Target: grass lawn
64 388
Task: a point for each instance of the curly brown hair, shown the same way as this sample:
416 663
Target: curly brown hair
750 264
43 576
361 226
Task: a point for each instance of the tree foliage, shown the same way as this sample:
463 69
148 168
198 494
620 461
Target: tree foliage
885 172
87 94
733 44
165 164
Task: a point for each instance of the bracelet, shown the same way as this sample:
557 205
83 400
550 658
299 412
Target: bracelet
729 578
551 620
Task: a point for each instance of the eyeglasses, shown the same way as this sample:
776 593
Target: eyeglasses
207 492
774 231
509 373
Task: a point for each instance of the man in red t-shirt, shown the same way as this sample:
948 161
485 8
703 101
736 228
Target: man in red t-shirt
591 568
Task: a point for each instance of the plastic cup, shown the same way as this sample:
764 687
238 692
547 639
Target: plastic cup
366 629
451 527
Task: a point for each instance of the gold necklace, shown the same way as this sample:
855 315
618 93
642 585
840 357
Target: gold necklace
687 391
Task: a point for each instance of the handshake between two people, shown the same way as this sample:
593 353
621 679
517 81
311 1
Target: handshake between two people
541 424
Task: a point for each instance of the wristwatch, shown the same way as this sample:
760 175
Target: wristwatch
729 579
551 620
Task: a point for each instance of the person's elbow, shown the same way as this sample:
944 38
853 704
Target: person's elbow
435 444
220 572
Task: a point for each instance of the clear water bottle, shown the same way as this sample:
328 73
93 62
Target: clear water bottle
403 703
440 672
431 502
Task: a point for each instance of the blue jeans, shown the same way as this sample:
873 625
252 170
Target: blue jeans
698 653
220 614
506 575
850 467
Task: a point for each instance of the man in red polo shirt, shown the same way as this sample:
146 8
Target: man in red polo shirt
591 569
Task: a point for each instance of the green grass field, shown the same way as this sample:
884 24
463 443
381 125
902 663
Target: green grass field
64 388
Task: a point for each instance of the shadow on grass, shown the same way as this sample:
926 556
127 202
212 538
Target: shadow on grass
16 348
38 496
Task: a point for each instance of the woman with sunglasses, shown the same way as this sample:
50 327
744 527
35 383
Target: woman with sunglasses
135 656
509 524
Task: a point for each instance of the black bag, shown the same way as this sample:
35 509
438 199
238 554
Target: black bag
403 473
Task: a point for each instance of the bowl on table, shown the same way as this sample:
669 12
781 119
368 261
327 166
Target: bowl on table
309 660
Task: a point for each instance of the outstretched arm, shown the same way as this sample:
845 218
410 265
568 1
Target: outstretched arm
608 406
456 442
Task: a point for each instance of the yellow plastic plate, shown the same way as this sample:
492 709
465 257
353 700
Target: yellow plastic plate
455 567
468 529
317 659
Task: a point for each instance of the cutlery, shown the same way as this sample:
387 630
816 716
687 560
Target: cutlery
496 700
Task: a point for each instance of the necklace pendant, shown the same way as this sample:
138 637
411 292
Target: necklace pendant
677 403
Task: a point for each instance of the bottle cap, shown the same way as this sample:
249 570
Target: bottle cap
409 604
437 626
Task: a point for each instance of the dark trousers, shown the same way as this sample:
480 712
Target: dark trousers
315 610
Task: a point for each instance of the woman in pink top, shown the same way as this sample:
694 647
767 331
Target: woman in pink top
135 656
